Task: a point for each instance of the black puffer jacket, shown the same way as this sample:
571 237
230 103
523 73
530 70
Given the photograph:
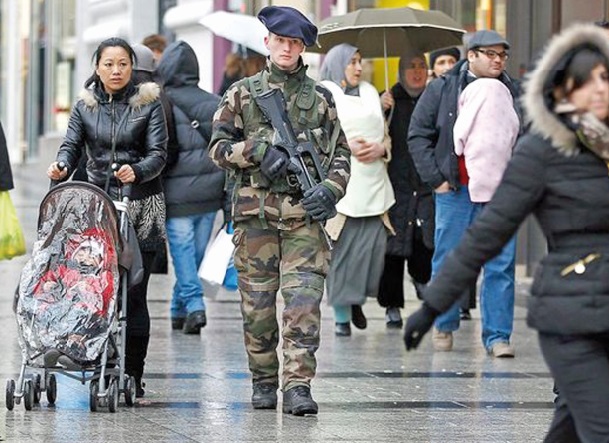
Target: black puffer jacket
6 175
194 185
566 186
413 199
141 138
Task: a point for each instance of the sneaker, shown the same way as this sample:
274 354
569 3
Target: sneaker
298 401
358 318
194 322
502 349
139 388
393 318
342 329
442 341
264 396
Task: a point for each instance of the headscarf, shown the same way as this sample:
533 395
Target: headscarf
405 62
333 68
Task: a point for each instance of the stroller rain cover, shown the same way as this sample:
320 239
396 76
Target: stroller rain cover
68 288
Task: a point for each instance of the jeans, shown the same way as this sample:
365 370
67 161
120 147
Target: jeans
188 237
455 212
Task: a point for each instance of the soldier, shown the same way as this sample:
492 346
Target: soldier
279 244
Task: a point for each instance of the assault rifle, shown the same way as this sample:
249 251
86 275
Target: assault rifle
272 105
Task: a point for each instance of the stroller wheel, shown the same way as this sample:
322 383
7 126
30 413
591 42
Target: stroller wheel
93 391
130 391
28 395
10 394
113 395
51 389
37 390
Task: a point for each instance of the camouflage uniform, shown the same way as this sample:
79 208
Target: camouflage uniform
277 246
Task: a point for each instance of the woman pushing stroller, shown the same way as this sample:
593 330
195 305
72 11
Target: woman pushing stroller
120 123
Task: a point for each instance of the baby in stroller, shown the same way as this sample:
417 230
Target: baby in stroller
77 291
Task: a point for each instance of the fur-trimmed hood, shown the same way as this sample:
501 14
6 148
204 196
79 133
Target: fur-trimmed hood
145 93
543 120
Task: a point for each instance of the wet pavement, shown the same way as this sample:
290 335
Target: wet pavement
368 388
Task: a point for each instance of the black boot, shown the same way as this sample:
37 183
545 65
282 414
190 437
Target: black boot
194 322
264 396
358 318
298 401
136 350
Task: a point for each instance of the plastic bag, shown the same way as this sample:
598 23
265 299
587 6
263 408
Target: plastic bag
12 242
230 279
217 257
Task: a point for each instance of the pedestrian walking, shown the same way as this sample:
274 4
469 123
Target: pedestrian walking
194 185
359 227
278 244
430 140
412 216
559 174
122 123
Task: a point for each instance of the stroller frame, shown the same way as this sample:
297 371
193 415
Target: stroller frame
107 379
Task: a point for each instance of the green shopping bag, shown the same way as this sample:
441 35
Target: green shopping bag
12 242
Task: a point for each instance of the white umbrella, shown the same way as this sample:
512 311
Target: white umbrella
245 30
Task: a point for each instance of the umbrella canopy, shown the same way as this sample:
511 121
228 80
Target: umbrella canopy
389 32
245 30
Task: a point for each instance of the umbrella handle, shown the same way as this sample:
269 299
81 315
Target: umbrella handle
386 66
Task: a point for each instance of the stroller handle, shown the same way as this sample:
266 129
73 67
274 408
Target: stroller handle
61 166
125 188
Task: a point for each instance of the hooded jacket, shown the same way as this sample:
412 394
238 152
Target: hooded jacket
140 138
194 184
566 187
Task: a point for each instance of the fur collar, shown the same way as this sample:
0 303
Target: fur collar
544 121
146 93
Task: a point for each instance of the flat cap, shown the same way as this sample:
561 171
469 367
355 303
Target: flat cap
288 22
486 37
144 58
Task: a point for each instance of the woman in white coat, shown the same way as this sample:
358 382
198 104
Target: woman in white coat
360 228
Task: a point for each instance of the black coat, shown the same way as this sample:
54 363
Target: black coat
430 134
414 204
6 174
141 141
194 184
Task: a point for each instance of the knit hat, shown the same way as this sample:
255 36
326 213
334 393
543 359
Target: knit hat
144 58
453 52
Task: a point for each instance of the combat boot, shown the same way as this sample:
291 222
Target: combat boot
298 401
264 396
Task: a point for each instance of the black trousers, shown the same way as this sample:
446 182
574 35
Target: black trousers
580 367
138 321
391 287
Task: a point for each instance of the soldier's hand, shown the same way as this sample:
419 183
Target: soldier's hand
319 202
274 164
418 324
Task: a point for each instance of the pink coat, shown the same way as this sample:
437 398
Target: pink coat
485 133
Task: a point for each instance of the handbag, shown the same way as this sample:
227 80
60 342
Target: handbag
12 241
216 259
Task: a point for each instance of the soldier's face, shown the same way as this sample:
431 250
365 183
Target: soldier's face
284 51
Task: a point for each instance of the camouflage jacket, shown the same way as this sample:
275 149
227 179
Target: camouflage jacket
241 136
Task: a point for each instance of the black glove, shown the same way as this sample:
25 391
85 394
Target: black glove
274 164
418 324
319 202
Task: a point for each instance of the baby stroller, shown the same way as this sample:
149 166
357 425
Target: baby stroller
70 318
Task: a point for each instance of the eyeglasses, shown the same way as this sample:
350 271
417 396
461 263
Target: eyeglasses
493 54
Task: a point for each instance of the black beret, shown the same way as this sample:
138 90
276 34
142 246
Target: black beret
453 52
288 22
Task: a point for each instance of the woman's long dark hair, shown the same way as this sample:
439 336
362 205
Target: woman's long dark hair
109 43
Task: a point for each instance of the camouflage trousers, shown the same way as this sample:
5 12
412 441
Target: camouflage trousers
294 261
